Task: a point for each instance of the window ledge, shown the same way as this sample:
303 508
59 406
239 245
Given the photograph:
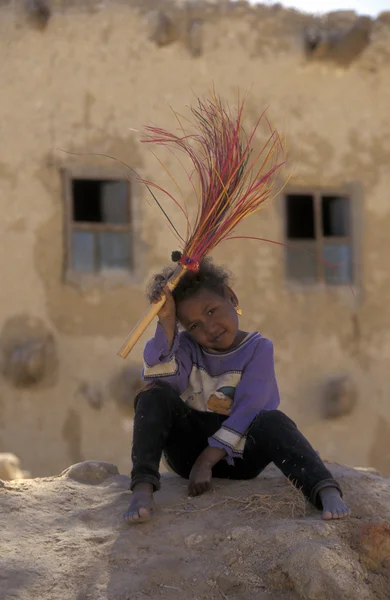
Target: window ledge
333 289
104 280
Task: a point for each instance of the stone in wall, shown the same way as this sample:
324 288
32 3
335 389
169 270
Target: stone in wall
195 37
92 393
28 355
340 397
38 12
123 388
384 17
336 45
168 28
163 29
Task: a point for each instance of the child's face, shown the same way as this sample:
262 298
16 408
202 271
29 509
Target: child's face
211 319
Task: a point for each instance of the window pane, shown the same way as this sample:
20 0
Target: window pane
301 263
114 202
300 216
83 251
338 264
114 250
100 201
335 216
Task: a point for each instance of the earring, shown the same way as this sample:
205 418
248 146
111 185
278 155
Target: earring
238 311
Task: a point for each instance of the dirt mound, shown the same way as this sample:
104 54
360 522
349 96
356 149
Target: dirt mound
63 537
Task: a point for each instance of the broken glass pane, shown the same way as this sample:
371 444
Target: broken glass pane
100 201
300 216
335 216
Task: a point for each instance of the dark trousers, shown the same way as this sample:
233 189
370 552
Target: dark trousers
163 423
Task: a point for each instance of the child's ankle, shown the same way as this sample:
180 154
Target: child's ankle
147 488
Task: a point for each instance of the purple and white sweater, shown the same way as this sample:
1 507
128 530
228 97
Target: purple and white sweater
238 383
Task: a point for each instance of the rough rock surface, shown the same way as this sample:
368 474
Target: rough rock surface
63 537
10 467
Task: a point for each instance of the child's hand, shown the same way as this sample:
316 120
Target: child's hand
168 311
200 478
201 472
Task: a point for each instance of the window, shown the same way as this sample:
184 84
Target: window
319 238
99 225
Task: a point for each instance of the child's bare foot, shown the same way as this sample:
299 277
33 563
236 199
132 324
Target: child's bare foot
141 505
333 507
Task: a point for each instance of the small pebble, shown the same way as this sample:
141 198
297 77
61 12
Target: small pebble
194 539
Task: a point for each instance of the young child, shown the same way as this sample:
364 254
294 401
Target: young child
211 403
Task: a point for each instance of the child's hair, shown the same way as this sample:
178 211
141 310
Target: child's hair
209 277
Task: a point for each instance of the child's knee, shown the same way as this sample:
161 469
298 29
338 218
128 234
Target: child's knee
274 419
152 392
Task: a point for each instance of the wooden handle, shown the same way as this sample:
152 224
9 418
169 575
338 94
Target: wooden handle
148 317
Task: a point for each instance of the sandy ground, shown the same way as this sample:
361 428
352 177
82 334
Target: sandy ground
63 538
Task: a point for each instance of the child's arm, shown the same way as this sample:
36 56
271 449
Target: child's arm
201 472
167 356
257 391
167 313
168 361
